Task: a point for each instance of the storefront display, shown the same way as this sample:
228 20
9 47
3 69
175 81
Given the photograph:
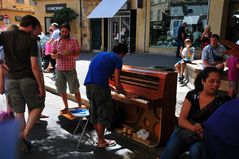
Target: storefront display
165 19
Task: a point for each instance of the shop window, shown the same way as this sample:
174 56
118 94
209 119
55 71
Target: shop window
20 1
165 19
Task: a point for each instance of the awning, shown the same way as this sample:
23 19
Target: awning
193 19
107 9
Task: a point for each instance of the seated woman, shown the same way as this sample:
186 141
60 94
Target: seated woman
198 105
187 57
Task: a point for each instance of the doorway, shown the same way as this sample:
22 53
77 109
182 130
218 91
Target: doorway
120 32
96 34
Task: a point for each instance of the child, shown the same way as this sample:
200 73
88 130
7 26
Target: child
233 74
187 57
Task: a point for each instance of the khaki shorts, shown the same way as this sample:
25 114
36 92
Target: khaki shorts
70 77
101 107
22 92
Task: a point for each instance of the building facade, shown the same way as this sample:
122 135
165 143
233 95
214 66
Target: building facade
144 25
11 11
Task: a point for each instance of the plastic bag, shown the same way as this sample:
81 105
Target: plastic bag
4 114
3 103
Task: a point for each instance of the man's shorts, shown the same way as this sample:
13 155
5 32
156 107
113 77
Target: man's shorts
70 77
101 107
183 60
24 91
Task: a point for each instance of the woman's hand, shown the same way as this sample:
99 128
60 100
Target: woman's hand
197 128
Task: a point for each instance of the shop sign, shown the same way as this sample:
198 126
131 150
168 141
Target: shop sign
5 16
51 8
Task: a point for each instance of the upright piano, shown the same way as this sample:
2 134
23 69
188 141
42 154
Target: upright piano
154 108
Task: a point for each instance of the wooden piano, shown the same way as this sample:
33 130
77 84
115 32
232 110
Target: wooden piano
154 108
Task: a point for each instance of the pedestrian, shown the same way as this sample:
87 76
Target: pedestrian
187 57
55 35
233 75
47 60
25 82
180 38
205 37
36 32
3 80
102 66
198 105
66 50
213 54
4 74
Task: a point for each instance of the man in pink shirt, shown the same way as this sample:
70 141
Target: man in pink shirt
66 50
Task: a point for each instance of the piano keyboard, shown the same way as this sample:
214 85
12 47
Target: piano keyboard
129 100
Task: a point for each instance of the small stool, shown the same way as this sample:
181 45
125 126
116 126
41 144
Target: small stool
82 114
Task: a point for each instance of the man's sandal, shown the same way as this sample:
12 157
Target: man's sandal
108 143
64 111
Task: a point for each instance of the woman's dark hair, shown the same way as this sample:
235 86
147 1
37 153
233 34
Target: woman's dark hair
203 75
65 25
120 49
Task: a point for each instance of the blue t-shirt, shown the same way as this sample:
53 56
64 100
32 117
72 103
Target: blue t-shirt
102 66
211 54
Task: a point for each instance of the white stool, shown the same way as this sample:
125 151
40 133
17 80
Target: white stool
82 114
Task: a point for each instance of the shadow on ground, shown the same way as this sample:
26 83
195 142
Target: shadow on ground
57 143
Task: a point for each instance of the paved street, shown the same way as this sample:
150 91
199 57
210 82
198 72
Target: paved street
52 141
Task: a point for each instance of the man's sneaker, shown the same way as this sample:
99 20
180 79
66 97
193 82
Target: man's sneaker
26 146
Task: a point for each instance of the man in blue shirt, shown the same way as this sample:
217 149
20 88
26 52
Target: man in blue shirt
102 66
213 54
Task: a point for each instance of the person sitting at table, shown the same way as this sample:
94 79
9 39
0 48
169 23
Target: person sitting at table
198 105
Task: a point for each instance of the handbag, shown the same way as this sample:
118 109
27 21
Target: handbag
188 136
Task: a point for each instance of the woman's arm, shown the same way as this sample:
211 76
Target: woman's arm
183 118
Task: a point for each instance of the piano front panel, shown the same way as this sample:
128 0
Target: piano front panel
154 109
146 86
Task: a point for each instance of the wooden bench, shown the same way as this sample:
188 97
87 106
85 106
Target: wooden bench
154 108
